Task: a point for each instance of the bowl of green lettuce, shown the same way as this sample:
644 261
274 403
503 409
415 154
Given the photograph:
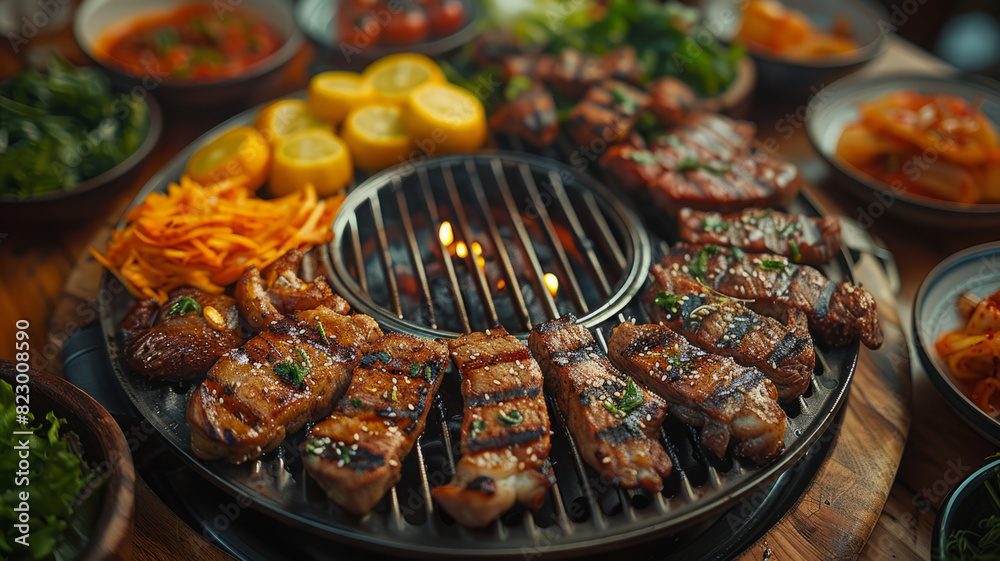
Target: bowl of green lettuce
68 141
67 482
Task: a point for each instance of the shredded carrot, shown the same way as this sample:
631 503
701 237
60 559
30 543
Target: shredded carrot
206 236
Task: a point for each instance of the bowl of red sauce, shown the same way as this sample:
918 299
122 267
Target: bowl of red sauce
190 53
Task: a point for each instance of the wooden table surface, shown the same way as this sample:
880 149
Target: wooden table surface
940 450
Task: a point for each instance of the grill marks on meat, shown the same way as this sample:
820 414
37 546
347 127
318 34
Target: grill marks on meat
728 401
723 326
839 312
356 453
249 401
176 346
623 446
505 430
531 116
812 241
572 73
708 162
268 295
607 112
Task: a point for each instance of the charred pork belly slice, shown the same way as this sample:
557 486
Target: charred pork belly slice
722 325
183 338
839 312
708 162
269 295
288 375
728 401
572 73
505 430
812 241
607 112
356 454
671 100
531 116
615 421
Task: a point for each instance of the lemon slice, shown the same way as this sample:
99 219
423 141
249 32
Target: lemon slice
445 119
240 154
377 136
332 95
281 119
395 76
311 156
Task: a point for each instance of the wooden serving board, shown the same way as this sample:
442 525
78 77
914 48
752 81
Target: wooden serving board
832 520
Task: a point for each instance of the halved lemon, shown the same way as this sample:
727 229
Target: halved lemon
332 95
281 119
240 154
377 136
394 76
311 156
445 119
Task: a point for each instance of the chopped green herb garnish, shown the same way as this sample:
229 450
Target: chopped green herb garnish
673 140
736 252
516 86
383 356
428 373
356 402
642 157
292 372
771 265
344 452
184 305
477 427
712 249
699 267
512 418
789 228
624 100
611 407
394 396
667 301
303 357
633 397
322 332
714 167
714 223
415 369
316 445
794 247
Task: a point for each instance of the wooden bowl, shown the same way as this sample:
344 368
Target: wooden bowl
104 446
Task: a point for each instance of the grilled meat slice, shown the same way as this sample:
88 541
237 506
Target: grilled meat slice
505 430
724 326
268 295
728 401
288 375
708 162
671 100
615 421
356 453
812 241
492 46
175 341
839 312
607 112
572 73
531 116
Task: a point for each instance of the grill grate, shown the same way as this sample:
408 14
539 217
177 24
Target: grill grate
568 246
389 261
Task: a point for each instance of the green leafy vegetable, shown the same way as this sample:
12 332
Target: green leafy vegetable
513 418
667 301
771 265
62 515
62 128
184 305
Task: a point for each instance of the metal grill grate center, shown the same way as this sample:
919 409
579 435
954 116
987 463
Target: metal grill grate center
463 243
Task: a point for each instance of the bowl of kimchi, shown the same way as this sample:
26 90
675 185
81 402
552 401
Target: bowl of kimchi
189 53
922 148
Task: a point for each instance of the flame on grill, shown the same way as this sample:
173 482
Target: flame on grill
446 234
552 283
461 250
501 284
